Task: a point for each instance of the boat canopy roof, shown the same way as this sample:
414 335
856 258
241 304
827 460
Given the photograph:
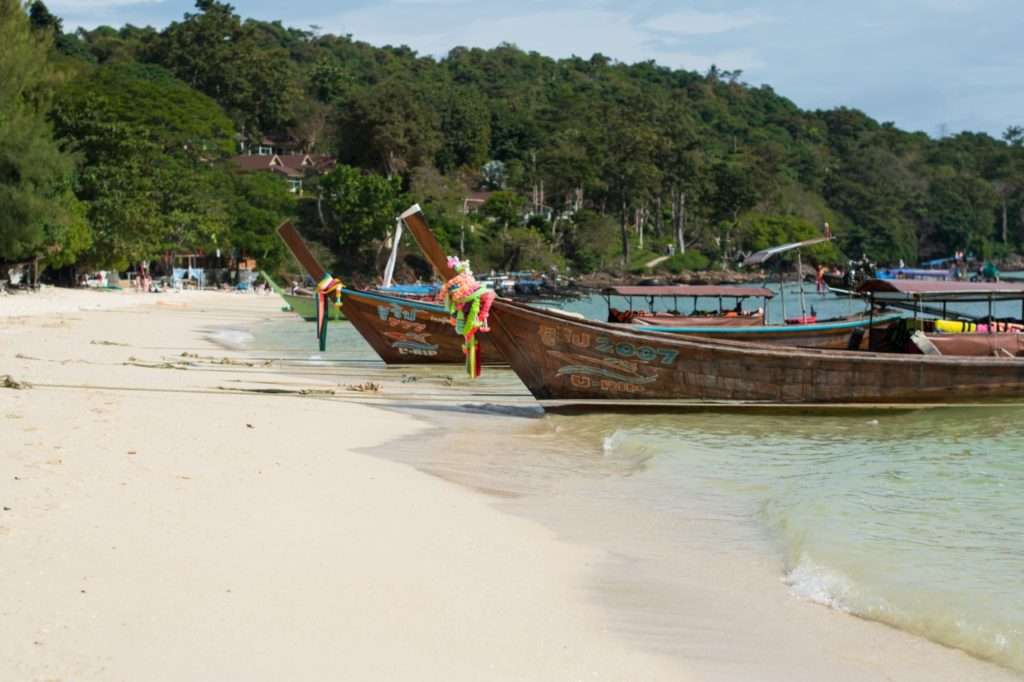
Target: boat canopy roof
762 256
932 290
698 290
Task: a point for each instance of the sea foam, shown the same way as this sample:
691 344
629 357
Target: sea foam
816 583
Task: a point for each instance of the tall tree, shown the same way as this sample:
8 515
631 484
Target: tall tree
147 142
35 177
361 208
214 52
389 129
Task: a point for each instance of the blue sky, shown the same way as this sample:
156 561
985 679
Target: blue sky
931 65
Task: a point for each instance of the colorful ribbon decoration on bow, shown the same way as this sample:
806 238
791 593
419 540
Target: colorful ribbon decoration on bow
324 288
470 302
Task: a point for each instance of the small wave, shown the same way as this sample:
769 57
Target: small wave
813 582
317 359
611 442
232 339
935 616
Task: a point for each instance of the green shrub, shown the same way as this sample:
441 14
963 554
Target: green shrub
691 260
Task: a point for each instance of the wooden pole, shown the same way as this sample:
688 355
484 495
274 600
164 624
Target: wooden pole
417 224
800 278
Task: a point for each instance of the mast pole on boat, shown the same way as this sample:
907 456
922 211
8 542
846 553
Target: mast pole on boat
782 293
389 269
800 278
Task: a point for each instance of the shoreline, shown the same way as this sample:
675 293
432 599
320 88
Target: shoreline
727 612
358 533
164 528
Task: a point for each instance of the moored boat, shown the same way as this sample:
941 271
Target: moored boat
404 331
562 358
566 359
938 328
305 307
303 304
401 330
735 323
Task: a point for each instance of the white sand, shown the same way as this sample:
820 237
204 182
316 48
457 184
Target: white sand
157 527
154 527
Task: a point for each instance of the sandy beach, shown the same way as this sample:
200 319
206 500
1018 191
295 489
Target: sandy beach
173 510
155 527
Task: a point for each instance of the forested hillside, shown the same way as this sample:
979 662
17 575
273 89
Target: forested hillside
117 140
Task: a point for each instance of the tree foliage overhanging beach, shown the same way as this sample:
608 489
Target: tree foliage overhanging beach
117 140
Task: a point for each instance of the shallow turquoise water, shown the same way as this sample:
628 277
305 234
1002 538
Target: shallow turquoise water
913 519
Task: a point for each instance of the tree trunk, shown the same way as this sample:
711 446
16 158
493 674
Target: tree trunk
679 220
1005 231
625 236
640 226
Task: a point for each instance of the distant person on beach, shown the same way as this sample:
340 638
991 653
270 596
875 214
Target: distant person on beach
819 278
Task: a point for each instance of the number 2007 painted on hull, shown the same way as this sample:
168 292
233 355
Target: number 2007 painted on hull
642 353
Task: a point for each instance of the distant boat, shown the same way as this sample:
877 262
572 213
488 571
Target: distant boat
303 304
937 329
916 273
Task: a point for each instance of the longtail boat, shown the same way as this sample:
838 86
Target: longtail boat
402 331
561 358
304 305
935 328
735 323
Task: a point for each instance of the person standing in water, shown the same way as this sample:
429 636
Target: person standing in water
819 278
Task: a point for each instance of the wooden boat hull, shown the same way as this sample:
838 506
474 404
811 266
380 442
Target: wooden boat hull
565 359
1007 344
305 306
405 332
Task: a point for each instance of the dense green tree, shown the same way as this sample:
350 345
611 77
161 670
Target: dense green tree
148 98
465 130
361 208
216 53
504 208
259 203
699 160
44 20
147 143
960 210
386 128
39 212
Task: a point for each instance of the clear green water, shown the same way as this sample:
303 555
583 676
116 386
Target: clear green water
914 519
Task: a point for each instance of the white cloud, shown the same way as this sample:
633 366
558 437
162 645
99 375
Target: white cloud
952 6
555 33
692 23
60 6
